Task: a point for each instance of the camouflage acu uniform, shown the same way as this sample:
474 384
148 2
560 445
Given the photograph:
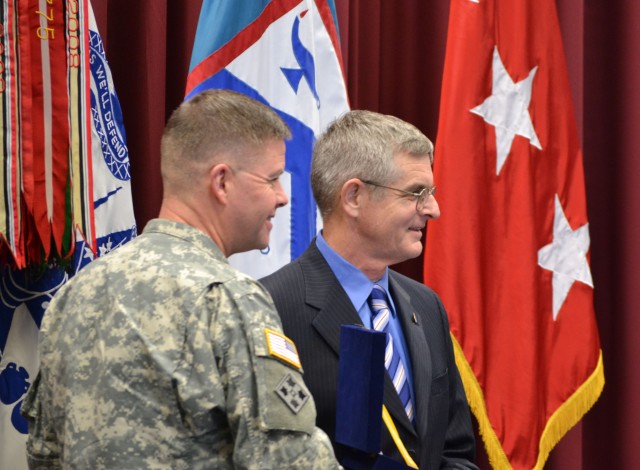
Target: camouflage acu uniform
161 355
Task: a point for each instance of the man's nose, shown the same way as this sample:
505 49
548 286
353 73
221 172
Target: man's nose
431 208
281 196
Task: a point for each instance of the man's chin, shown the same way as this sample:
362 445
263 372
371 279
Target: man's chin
263 246
414 251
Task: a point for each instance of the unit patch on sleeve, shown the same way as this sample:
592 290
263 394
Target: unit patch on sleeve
292 393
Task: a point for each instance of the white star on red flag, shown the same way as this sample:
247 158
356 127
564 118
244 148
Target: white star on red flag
507 109
566 257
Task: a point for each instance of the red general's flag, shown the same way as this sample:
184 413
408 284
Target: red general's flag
510 255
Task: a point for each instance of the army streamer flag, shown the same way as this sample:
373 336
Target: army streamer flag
286 54
510 255
79 180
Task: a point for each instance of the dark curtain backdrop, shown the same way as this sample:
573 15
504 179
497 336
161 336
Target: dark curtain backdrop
394 54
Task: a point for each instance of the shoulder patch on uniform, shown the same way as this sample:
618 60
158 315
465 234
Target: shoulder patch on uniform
282 347
292 393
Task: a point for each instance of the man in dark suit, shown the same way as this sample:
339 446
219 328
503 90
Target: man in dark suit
372 180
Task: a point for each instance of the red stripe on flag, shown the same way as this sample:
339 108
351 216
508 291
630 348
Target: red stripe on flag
58 172
240 42
30 113
330 26
45 117
85 84
9 90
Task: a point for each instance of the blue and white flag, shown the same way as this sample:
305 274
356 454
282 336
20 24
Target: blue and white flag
286 54
25 294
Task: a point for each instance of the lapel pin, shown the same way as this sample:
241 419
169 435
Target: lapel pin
415 319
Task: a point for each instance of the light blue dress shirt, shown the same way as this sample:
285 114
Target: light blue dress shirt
358 287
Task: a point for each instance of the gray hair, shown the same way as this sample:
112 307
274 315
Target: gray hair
362 144
210 123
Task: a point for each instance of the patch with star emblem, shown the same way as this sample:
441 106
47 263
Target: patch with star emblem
292 393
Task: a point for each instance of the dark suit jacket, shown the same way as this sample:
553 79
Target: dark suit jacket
313 306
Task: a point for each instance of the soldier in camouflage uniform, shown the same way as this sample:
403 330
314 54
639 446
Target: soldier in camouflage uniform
160 354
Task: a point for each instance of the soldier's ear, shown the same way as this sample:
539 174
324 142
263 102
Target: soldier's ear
220 176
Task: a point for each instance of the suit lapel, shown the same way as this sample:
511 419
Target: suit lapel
324 293
420 357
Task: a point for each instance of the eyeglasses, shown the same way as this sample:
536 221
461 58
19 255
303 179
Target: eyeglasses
420 197
270 181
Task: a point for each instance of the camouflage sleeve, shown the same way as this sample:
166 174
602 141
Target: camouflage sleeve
43 450
269 408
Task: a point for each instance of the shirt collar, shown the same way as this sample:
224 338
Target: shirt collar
357 286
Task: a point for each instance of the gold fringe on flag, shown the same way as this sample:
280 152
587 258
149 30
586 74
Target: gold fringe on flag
560 422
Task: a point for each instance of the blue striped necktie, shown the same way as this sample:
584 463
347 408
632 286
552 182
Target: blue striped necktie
392 360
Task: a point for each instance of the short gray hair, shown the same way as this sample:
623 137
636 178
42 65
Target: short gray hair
362 144
212 122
